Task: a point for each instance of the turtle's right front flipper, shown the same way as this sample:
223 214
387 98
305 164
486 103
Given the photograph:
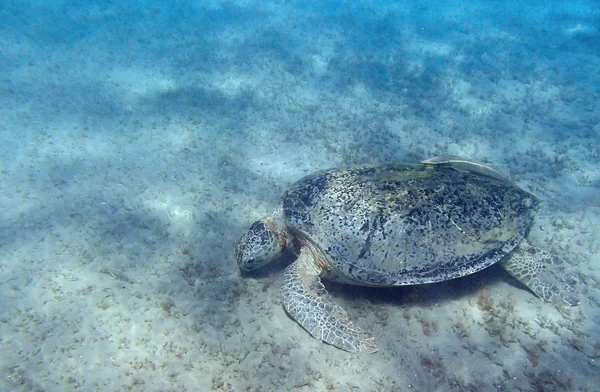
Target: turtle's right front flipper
306 301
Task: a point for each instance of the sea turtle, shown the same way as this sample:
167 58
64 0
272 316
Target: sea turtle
394 225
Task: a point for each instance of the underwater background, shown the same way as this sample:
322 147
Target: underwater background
139 140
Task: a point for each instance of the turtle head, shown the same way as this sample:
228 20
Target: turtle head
264 241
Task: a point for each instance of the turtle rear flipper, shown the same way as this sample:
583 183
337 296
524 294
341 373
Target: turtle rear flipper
306 301
542 273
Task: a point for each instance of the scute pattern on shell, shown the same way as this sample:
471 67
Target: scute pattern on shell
401 224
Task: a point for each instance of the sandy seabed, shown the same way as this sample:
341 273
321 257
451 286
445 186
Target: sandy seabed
139 142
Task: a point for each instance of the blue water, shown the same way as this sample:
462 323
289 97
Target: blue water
140 139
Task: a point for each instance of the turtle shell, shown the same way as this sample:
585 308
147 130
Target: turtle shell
400 224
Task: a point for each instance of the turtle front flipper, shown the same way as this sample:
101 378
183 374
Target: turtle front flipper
542 273
306 301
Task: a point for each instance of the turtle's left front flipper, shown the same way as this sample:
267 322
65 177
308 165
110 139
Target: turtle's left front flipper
542 273
306 301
